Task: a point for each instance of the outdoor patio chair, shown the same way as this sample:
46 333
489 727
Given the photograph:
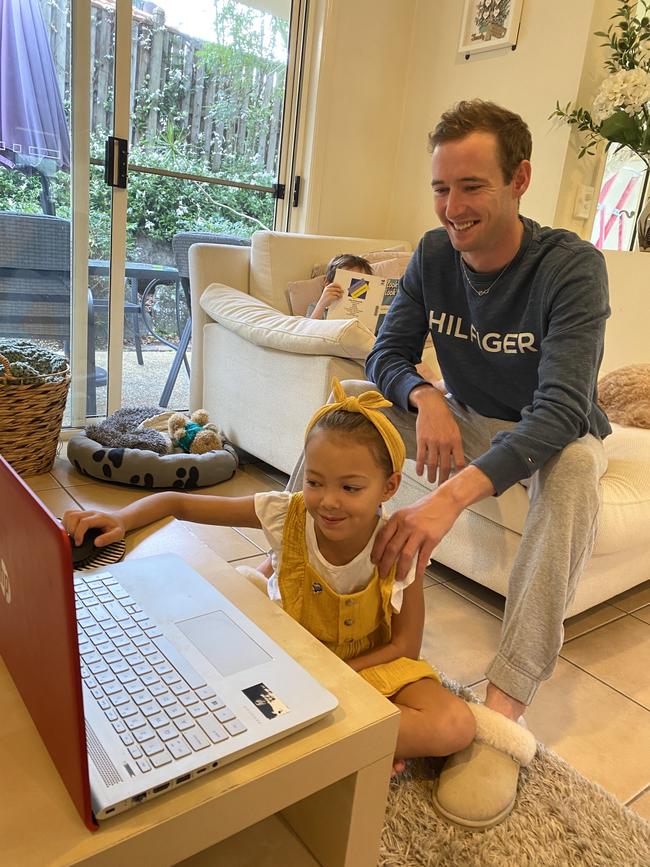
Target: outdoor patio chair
35 287
181 243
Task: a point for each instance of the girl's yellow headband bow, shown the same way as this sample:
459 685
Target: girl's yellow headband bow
368 404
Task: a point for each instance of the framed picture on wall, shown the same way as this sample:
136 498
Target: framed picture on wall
489 24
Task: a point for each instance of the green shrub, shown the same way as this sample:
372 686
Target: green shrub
158 206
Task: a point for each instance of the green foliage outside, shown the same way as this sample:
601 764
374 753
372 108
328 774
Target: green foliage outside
158 206
250 79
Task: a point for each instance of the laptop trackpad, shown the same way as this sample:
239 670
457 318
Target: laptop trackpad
222 642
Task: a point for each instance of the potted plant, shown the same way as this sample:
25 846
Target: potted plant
620 113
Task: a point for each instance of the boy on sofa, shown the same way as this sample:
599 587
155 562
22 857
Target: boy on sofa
332 291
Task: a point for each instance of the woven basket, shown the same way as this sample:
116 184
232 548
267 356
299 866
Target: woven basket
31 414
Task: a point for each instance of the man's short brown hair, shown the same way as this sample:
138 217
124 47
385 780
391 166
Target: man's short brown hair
513 137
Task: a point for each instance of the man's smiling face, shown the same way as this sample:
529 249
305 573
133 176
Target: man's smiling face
473 202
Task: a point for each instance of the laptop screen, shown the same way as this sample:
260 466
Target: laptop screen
38 630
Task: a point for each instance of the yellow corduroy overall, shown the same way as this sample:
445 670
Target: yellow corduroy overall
349 623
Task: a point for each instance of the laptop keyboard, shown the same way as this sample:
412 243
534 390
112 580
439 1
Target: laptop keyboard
161 708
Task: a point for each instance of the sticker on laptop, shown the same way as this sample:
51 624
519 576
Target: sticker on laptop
265 701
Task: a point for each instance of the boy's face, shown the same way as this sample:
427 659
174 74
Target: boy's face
343 488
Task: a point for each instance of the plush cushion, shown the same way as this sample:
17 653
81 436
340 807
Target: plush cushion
277 258
393 267
147 469
624 394
258 323
301 294
624 515
375 256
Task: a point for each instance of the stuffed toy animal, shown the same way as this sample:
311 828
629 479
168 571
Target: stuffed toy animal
624 394
195 435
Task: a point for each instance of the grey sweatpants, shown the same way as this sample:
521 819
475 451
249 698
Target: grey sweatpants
558 536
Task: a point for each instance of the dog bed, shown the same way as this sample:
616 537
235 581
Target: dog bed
146 469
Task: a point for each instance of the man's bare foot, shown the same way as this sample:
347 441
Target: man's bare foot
266 568
398 767
503 703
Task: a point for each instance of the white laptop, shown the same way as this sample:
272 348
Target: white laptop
140 676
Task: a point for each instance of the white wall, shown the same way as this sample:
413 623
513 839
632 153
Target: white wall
546 66
352 112
390 67
589 169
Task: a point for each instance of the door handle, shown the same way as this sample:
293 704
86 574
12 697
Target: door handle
116 155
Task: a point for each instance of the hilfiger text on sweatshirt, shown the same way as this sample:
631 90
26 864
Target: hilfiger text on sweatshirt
492 341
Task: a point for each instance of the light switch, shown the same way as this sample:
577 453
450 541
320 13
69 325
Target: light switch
583 200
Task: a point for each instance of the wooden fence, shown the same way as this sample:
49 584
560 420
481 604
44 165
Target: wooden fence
228 109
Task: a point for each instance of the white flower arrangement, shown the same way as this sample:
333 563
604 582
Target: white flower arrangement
627 90
621 110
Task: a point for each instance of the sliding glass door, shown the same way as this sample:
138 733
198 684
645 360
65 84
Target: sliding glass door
199 104
36 162
136 128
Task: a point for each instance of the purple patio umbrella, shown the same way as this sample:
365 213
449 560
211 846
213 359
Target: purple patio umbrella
33 129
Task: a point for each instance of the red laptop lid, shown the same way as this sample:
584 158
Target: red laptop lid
38 630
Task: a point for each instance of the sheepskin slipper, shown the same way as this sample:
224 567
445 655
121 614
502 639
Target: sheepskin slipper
478 785
255 577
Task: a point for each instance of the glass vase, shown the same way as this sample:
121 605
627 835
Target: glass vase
643 228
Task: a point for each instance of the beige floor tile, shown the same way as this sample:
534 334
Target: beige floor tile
459 638
254 535
618 654
65 473
106 496
57 501
594 618
485 598
224 541
253 562
632 599
599 732
428 580
42 482
242 484
643 613
641 805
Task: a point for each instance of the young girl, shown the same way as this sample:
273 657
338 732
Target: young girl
321 540
332 291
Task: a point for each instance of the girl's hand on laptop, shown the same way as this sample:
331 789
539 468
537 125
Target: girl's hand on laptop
76 522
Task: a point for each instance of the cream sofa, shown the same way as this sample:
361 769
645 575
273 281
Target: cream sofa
261 373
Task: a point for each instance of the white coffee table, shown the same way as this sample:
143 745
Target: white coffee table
316 797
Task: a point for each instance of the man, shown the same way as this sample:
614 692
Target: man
517 315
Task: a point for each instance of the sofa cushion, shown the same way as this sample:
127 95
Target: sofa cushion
277 258
303 293
397 256
258 323
393 267
625 510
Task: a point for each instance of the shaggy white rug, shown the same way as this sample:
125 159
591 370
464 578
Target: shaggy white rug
560 819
